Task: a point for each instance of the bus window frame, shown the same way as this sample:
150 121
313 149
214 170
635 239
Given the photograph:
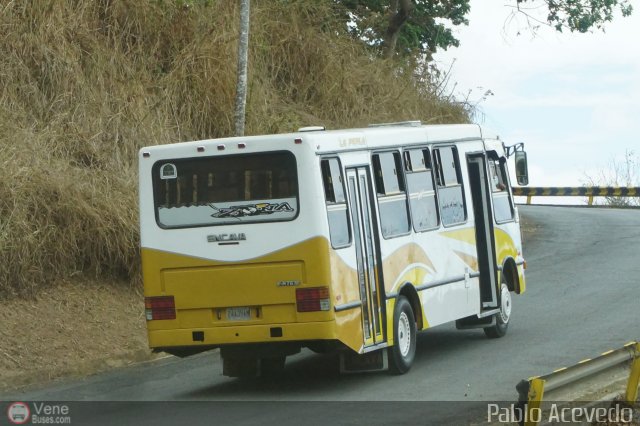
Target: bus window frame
439 175
327 203
402 185
493 156
431 172
155 169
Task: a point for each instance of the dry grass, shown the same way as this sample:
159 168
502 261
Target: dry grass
84 84
89 327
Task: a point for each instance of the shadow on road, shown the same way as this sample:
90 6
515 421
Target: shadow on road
310 374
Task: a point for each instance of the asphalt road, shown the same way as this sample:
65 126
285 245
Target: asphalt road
582 298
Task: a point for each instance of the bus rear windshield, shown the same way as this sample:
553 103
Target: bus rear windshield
230 189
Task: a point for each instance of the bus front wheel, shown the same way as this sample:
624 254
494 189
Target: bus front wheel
499 329
403 351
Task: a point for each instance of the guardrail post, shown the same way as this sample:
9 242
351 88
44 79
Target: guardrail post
590 200
634 378
536 393
529 199
523 388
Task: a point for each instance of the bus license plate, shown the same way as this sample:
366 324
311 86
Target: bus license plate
239 314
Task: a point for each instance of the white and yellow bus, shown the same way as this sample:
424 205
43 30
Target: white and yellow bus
350 240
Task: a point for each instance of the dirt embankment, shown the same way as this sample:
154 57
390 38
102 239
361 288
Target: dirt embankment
74 328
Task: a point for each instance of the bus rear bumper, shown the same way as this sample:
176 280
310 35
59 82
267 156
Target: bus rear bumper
217 336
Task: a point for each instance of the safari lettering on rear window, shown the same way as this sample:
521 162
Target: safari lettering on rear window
229 189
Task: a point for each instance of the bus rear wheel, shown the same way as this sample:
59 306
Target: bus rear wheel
499 329
403 351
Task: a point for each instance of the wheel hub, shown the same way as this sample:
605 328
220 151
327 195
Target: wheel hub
505 306
404 334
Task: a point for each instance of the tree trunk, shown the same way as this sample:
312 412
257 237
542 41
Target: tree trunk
241 87
400 9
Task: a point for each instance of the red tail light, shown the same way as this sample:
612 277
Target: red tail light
312 299
160 308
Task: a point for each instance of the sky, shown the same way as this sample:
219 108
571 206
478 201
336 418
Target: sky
573 99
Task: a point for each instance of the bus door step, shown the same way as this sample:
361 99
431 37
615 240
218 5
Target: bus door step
488 313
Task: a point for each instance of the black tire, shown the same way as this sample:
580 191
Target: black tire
499 329
403 351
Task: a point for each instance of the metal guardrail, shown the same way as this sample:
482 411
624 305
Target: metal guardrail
584 191
532 390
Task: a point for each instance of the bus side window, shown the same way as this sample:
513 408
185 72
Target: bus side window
502 202
337 212
450 191
421 188
392 197
496 185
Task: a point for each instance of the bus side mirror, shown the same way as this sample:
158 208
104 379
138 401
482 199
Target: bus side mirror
522 173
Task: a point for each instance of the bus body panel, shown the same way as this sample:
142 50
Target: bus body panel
211 269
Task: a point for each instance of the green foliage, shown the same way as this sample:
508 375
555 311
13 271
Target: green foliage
426 30
429 24
583 15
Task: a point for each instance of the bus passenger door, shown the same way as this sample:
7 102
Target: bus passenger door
366 246
483 216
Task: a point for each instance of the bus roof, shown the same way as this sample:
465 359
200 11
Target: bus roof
373 137
379 136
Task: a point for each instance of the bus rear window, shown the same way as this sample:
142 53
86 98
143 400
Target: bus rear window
206 191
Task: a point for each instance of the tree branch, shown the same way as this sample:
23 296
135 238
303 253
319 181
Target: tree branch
401 10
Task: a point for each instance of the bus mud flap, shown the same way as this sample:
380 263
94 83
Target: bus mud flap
351 362
475 321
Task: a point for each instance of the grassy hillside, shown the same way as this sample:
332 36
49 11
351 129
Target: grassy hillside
86 83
